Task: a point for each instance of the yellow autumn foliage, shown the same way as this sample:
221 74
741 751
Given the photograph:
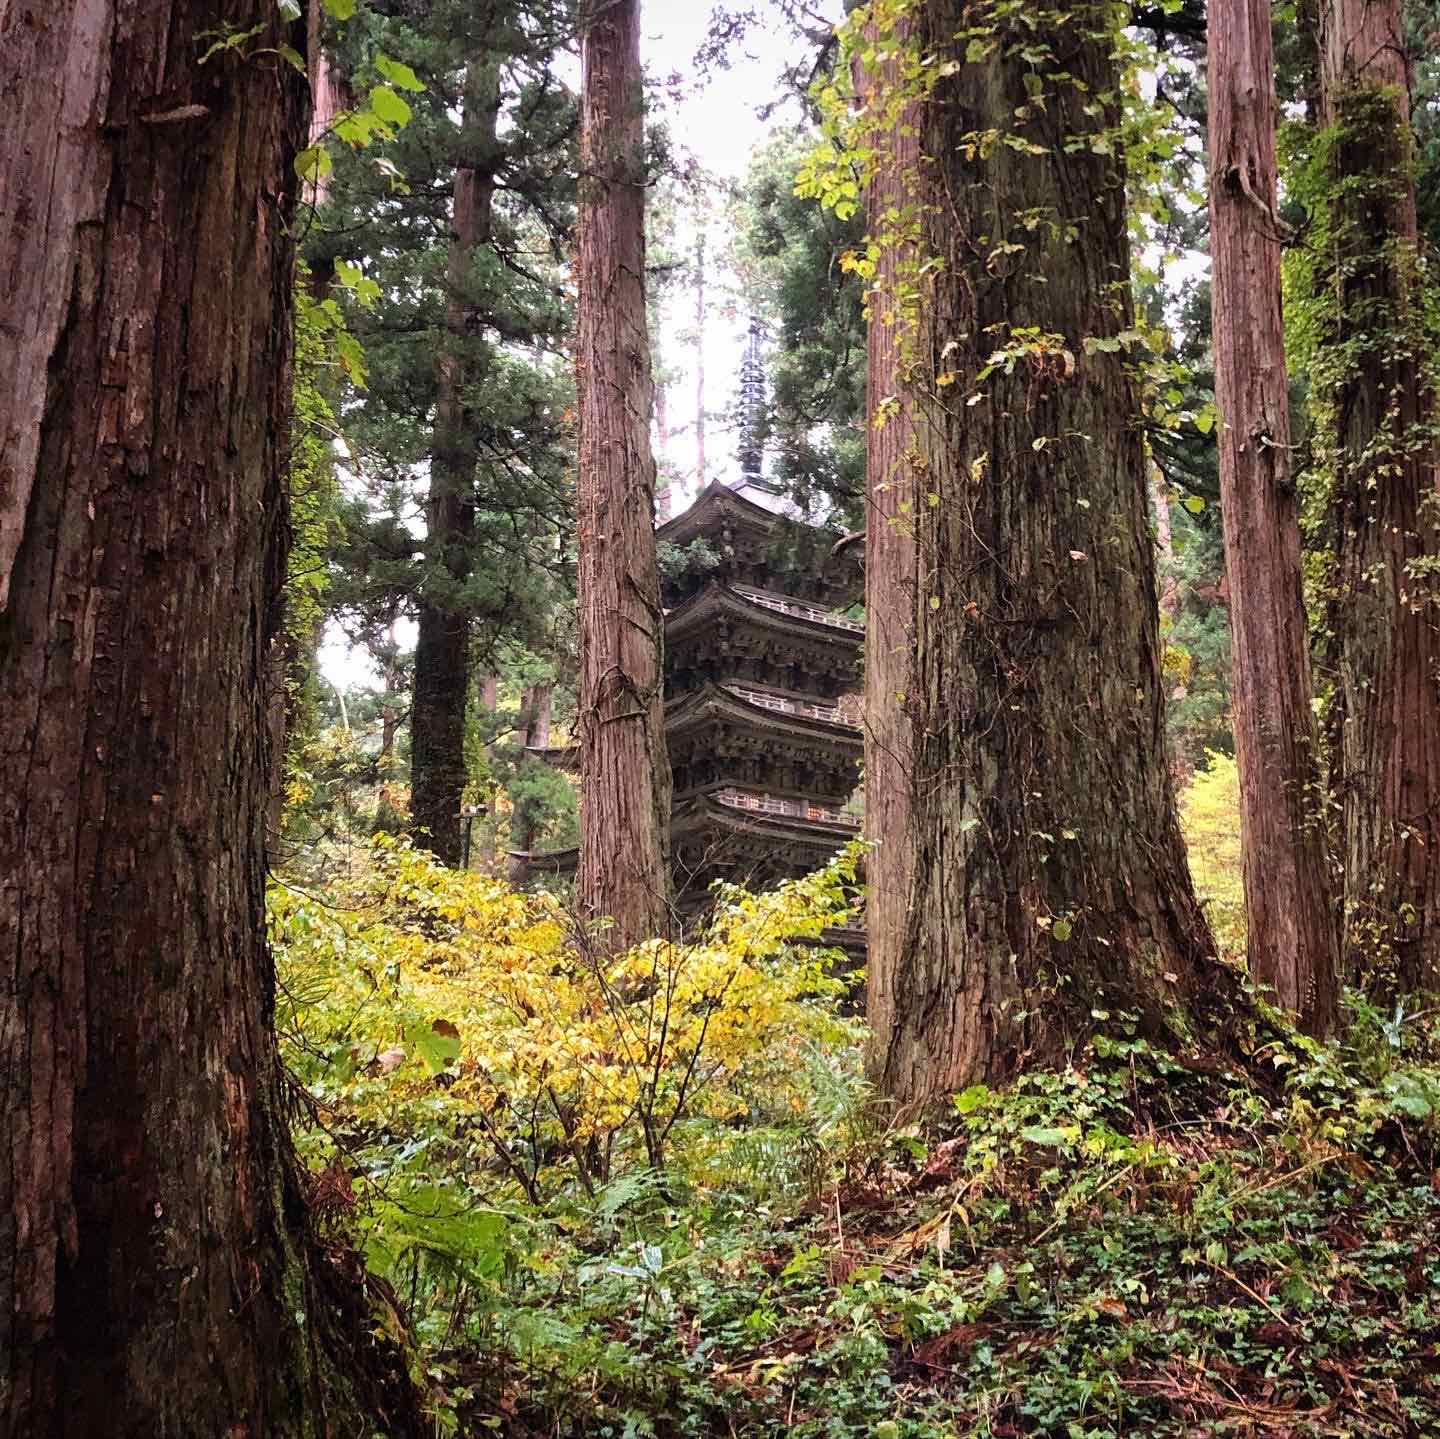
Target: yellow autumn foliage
413 985
1210 818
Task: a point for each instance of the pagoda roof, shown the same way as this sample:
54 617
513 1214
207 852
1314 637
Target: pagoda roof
774 612
714 504
760 709
709 811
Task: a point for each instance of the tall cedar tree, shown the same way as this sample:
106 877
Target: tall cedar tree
156 1276
1290 922
466 377
624 768
1379 429
1031 873
442 642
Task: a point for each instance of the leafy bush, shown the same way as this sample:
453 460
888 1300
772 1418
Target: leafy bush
415 994
1210 818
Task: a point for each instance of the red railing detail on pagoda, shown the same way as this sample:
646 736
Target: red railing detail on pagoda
799 609
758 802
765 700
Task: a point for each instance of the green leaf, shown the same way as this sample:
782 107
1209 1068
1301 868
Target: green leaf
437 1044
1194 503
969 1100
313 163
340 9
399 74
390 106
1051 1138
1062 929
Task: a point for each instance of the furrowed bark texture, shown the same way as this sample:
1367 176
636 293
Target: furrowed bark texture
624 769
442 641
890 570
1385 619
155 1272
1048 876
1290 919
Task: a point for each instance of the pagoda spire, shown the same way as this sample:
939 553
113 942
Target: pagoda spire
752 407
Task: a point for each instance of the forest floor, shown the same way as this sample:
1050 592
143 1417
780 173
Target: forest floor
1137 1244
1126 1249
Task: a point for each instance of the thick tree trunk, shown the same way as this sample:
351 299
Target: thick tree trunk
1379 418
624 769
1290 920
1017 614
156 1277
442 642
890 560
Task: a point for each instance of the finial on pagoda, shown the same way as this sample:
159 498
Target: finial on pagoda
752 407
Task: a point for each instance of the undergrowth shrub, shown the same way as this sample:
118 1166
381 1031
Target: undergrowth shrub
1210 819
473 1060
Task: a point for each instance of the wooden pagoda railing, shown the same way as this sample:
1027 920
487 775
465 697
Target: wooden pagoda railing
830 713
799 609
759 802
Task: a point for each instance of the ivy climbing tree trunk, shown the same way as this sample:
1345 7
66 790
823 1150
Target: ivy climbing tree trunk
1377 401
157 1276
1290 920
1012 588
442 641
624 768
890 562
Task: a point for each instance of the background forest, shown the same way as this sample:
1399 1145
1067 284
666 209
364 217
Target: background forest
1108 332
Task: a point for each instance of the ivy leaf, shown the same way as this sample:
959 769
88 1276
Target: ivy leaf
340 9
313 164
390 106
1050 1138
969 1100
399 74
1194 503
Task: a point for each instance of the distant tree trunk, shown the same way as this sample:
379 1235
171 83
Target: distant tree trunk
442 643
1164 542
536 705
1290 920
1378 419
157 1276
700 362
665 496
392 677
624 769
1014 615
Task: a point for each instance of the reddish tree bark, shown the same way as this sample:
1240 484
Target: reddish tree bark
1012 640
442 641
1379 430
624 769
1290 920
890 562
156 1275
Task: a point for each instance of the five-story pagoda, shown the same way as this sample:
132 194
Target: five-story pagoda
762 674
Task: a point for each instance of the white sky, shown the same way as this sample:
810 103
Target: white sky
716 123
